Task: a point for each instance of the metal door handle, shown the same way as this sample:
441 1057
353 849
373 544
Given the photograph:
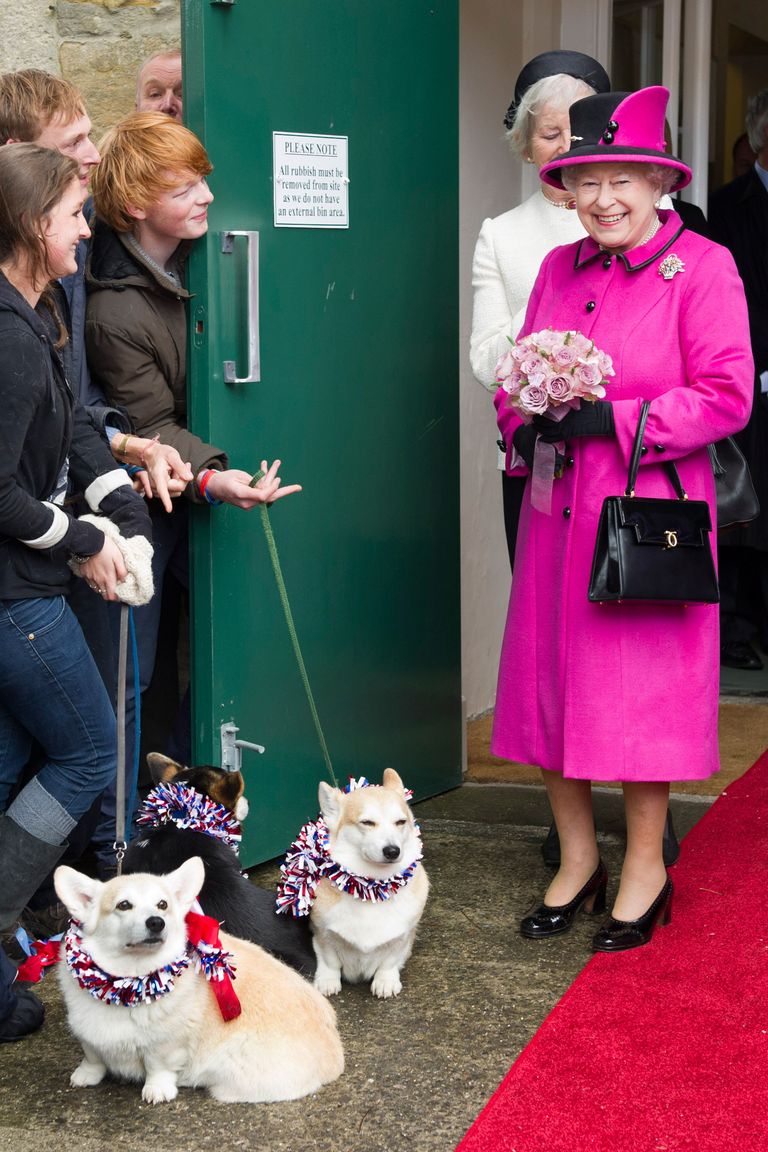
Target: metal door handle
231 747
254 363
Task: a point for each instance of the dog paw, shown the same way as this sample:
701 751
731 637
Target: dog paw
159 1091
386 984
328 984
86 1075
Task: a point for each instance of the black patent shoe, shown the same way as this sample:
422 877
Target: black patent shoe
621 935
670 848
550 847
549 920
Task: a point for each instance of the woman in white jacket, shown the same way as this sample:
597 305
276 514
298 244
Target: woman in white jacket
511 247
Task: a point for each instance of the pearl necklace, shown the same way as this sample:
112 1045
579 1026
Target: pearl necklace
651 231
570 203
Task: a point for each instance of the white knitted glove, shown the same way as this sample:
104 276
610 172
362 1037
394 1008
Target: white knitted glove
138 587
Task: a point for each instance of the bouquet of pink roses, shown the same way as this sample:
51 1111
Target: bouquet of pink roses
549 372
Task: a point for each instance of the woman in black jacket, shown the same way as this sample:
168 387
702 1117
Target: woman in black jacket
50 690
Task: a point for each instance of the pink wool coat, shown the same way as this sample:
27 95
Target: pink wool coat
621 691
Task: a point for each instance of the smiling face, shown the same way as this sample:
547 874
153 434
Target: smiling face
616 203
179 213
63 229
73 138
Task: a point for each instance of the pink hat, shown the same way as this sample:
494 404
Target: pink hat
618 128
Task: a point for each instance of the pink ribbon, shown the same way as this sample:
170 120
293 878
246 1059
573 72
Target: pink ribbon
543 475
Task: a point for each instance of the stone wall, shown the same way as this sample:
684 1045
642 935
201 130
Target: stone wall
97 44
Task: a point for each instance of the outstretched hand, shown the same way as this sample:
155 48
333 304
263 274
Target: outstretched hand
237 487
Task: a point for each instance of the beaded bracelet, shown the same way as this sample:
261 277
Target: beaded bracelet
202 486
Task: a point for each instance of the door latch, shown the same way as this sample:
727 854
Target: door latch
231 747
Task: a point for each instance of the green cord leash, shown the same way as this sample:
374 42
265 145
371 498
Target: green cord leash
272 547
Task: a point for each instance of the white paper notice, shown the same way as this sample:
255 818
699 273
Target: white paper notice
311 180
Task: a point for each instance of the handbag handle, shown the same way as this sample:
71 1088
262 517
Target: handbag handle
637 451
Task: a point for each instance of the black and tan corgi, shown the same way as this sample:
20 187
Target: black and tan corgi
196 812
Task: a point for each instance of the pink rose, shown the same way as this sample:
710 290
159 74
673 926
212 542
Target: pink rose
513 382
588 375
581 345
533 366
559 388
533 399
546 340
605 364
505 367
564 355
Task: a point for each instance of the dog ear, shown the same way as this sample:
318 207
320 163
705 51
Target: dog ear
330 804
226 788
162 769
78 893
391 780
187 880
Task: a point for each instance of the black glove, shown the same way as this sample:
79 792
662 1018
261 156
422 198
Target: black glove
524 439
128 510
591 418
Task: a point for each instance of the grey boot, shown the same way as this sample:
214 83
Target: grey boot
25 862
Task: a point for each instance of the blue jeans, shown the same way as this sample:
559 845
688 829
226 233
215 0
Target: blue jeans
51 692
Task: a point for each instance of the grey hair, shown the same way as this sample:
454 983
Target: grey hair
558 91
756 120
663 177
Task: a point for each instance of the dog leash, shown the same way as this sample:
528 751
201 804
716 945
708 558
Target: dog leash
272 548
122 662
121 808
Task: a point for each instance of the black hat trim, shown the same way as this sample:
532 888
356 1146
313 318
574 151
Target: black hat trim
601 153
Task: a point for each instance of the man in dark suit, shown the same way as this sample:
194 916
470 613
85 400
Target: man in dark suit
738 219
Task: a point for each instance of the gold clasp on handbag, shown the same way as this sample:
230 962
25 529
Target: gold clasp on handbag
671 538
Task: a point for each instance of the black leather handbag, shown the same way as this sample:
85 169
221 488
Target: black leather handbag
650 549
737 501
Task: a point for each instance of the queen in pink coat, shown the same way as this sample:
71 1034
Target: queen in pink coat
619 691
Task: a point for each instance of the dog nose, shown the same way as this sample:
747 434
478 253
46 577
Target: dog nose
390 851
155 924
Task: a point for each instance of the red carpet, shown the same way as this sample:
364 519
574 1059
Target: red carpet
665 1048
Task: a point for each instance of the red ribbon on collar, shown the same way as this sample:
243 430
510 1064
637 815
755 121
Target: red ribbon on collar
205 930
46 953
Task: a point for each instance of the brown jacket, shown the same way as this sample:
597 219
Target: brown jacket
136 343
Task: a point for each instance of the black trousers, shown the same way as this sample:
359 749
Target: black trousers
512 488
743 577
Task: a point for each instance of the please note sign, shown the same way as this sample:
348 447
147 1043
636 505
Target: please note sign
311 180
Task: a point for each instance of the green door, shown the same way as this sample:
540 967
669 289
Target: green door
332 127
